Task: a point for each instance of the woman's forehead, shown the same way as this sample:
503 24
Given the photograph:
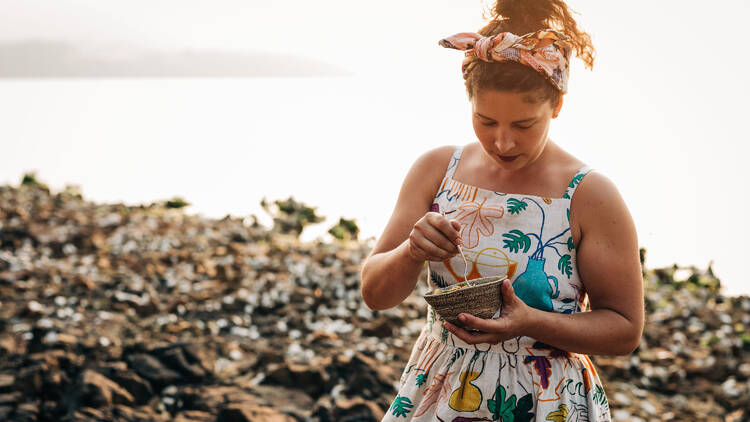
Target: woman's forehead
506 104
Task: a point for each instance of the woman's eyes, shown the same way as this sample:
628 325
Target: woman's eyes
495 124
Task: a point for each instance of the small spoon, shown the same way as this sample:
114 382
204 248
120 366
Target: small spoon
466 263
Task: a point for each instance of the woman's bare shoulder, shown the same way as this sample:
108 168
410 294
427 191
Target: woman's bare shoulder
435 162
424 178
597 202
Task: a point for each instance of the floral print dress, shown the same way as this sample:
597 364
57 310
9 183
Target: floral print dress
528 239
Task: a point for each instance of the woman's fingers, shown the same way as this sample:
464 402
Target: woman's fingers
431 251
446 227
439 239
435 238
496 326
473 338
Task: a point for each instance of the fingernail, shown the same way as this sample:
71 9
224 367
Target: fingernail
462 317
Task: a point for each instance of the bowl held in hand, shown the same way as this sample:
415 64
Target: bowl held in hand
480 297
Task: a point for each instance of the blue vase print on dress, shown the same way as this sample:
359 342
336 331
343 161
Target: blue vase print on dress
534 288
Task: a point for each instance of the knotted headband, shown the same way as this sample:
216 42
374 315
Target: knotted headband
547 51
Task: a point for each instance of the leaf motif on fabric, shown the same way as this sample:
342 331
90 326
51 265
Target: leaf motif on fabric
579 413
401 406
523 409
576 180
501 408
515 206
456 354
599 397
438 279
543 368
565 266
438 390
517 240
475 219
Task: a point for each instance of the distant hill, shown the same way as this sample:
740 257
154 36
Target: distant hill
54 59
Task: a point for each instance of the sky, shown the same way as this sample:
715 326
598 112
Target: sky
311 91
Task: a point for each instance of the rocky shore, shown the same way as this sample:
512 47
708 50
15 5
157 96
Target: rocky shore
145 313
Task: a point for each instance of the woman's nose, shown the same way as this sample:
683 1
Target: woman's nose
504 144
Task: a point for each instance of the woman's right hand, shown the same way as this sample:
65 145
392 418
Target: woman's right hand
434 238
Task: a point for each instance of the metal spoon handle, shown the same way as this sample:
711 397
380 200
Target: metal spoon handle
466 263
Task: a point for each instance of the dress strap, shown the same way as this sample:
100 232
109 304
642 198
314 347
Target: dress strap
573 185
454 161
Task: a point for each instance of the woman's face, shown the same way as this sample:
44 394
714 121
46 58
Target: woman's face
512 132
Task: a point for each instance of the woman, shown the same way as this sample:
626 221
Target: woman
522 207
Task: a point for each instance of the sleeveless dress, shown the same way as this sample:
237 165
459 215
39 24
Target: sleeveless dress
528 239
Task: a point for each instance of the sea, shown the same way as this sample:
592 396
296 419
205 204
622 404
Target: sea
345 144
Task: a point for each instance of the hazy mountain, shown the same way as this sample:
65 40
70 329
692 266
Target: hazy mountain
55 59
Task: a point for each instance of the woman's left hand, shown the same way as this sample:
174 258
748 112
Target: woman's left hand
514 319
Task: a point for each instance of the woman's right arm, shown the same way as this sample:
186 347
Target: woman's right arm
413 235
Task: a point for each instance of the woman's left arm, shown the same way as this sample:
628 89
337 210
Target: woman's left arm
609 265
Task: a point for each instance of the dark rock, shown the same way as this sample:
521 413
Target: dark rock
364 376
311 379
137 414
269 356
196 354
252 413
194 416
88 414
287 400
10 398
321 412
26 412
212 398
381 327
358 409
139 388
31 378
153 370
6 382
177 360
98 390
118 372
5 412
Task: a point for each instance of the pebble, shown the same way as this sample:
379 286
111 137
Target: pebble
648 407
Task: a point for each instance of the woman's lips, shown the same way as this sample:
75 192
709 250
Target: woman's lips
508 158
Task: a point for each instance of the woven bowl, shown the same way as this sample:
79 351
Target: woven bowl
481 299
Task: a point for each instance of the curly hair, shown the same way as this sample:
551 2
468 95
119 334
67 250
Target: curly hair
521 17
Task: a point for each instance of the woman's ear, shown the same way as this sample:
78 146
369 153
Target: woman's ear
557 109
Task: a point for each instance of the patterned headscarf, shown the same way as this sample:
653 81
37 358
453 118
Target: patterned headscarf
547 51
